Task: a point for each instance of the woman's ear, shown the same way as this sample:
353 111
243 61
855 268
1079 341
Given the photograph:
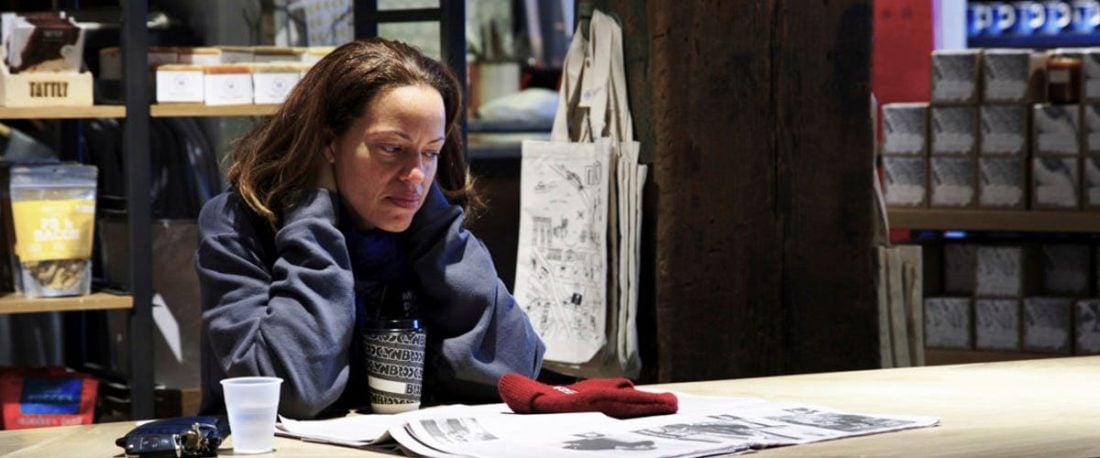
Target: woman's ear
330 154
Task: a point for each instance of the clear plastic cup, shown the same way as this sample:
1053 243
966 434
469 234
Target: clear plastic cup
252 404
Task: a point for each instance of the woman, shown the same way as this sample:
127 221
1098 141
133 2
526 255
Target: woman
340 204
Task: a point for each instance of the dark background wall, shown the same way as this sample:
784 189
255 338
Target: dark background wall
757 255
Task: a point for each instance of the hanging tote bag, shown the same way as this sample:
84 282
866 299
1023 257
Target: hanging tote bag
580 216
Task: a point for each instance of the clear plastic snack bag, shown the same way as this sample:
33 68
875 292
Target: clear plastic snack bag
53 211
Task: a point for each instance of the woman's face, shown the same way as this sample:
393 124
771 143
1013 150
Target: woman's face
385 163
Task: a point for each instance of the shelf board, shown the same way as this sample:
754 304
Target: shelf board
17 303
995 220
943 356
1062 40
166 110
94 111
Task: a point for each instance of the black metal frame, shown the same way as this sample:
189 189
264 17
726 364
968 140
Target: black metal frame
451 15
135 141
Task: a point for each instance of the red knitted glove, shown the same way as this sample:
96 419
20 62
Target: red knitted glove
614 397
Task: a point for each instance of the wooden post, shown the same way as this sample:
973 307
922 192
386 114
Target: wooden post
759 205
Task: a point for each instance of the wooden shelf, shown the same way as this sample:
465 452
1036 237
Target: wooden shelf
995 220
119 111
167 110
943 356
94 111
17 303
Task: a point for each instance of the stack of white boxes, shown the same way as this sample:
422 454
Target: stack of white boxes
905 154
1003 133
1056 150
953 128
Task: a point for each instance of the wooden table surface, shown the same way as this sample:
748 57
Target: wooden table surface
1048 407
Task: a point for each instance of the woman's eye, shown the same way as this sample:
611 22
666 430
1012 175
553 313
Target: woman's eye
391 148
431 154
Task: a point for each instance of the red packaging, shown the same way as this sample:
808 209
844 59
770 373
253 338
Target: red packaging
36 398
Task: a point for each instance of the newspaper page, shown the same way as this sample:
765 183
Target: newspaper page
704 426
561 268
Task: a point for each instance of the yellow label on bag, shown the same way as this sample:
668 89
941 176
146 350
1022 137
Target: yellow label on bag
53 229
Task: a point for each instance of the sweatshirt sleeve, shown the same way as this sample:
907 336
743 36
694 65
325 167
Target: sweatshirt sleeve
484 334
293 320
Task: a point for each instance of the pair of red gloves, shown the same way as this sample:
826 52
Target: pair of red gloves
615 397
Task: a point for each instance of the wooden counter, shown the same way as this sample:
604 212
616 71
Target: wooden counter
1048 407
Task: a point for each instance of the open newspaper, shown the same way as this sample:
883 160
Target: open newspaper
704 426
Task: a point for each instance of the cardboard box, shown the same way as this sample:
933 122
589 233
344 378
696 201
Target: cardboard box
952 182
997 324
960 265
1047 324
955 76
947 322
179 83
1054 182
1090 194
272 82
1065 269
904 128
1003 130
1006 75
227 84
906 184
1055 129
1002 182
1004 271
953 131
1087 317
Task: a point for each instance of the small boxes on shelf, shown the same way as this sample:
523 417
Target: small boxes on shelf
905 180
179 83
236 54
953 131
1087 316
997 324
1054 182
1003 271
955 76
960 263
1003 130
1065 269
227 84
200 55
952 182
904 127
1090 193
1002 182
1090 74
1047 324
1055 129
1006 75
947 322
272 82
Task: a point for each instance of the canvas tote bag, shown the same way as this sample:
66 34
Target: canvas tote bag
580 216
